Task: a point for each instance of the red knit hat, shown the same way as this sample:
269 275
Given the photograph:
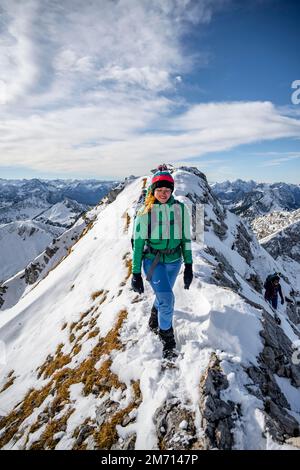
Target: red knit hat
162 178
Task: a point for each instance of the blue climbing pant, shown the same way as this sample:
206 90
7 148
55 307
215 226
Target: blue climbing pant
274 302
162 282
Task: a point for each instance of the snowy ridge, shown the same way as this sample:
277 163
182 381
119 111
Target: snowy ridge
250 199
22 241
25 280
272 223
284 245
62 214
83 371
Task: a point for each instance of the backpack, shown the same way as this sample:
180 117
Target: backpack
140 203
269 280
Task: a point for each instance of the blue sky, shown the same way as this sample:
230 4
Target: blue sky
106 88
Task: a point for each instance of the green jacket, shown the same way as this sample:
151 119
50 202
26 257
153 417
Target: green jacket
166 226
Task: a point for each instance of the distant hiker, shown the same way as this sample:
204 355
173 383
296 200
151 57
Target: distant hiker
161 236
273 287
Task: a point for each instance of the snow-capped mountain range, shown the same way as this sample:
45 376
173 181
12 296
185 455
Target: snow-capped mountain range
33 212
82 370
250 199
284 242
44 193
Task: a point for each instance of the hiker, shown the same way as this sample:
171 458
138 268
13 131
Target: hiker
273 287
161 236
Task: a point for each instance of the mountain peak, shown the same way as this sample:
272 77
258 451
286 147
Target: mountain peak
85 372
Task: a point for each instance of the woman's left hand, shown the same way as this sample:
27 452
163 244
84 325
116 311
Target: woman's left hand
187 275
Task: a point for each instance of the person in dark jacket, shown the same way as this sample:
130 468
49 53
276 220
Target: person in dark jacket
161 238
273 288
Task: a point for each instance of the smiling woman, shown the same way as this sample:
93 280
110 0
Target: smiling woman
161 238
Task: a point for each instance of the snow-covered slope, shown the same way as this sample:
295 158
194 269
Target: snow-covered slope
33 212
250 199
23 209
62 214
83 370
20 242
23 240
284 246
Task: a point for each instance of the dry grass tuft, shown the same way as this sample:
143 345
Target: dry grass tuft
9 383
107 435
127 222
47 441
61 379
97 294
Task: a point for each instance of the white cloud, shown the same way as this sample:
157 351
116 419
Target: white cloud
82 85
282 157
83 44
119 142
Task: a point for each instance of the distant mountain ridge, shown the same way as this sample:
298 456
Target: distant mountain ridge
33 212
250 199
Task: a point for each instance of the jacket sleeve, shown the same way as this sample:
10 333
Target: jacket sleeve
186 236
280 292
140 233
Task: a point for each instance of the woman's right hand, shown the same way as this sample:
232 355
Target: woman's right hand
137 283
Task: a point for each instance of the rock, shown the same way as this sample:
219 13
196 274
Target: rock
32 272
84 432
242 243
167 422
127 444
255 281
220 229
279 423
217 414
102 411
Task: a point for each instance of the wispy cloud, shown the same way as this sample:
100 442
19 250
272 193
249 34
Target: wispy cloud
81 45
282 157
86 88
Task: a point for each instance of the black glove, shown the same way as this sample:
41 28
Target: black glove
282 301
187 275
137 283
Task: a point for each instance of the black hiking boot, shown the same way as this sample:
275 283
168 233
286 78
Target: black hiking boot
153 320
169 344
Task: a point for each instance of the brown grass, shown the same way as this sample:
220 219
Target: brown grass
47 441
12 422
94 333
8 384
72 337
127 222
61 379
107 435
128 265
96 294
51 364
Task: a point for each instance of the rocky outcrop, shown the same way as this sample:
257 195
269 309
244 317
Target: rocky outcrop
218 416
3 289
32 272
223 273
276 358
175 426
242 243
